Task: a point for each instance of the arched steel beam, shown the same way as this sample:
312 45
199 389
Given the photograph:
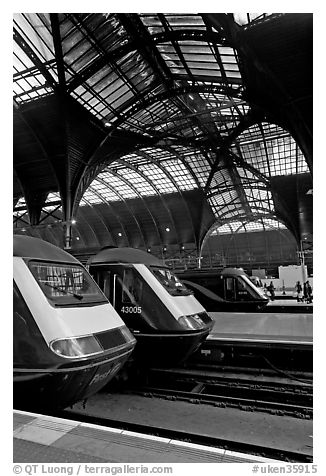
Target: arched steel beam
218 189
158 193
41 66
57 43
170 177
103 200
236 37
264 212
97 170
136 170
159 38
172 92
148 157
152 100
245 122
89 227
36 135
124 200
242 163
185 163
219 223
175 44
94 210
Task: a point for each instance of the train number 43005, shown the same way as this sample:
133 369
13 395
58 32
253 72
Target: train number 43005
131 309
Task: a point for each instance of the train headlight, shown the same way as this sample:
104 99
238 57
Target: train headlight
76 347
193 322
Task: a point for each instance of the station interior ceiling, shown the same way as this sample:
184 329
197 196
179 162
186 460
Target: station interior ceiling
158 130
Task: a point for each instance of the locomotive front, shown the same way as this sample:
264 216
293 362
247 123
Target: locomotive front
68 340
164 316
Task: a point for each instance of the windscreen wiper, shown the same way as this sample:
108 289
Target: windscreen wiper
64 291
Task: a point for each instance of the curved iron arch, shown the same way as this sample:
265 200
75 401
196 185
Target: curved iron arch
224 222
160 166
142 103
163 37
124 200
103 200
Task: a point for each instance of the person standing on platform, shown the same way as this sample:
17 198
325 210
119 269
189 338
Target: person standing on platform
298 290
309 292
271 290
305 292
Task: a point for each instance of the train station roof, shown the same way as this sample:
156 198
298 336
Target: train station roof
155 129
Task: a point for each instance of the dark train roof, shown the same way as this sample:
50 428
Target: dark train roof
124 255
29 247
233 271
206 272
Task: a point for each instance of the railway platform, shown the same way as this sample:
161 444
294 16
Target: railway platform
276 341
267 327
48 439
290 305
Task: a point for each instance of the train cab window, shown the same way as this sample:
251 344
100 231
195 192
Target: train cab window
106 284
219 288
66 284
229 289
169 280
132 286
103 278
242 291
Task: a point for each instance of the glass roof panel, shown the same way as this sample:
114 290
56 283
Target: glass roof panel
35 30
247 18
90 197
52 197
174 21
161 182
107 180
142 185
180 174
225 205
185 21
199 165
260 224
158 116
271 150
29 82
21 202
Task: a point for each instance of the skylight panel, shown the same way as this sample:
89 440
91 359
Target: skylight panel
161 182
185 21
116 183
142 186
254 226
200 167
180 174
222 176
31 27
224 206
227 228
90 197
273 153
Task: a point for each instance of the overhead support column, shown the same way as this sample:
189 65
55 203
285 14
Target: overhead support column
67 235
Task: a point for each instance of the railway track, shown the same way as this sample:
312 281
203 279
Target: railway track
230 445
273 395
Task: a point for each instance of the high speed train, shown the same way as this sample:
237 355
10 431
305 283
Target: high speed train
164 316
68 340
227 290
